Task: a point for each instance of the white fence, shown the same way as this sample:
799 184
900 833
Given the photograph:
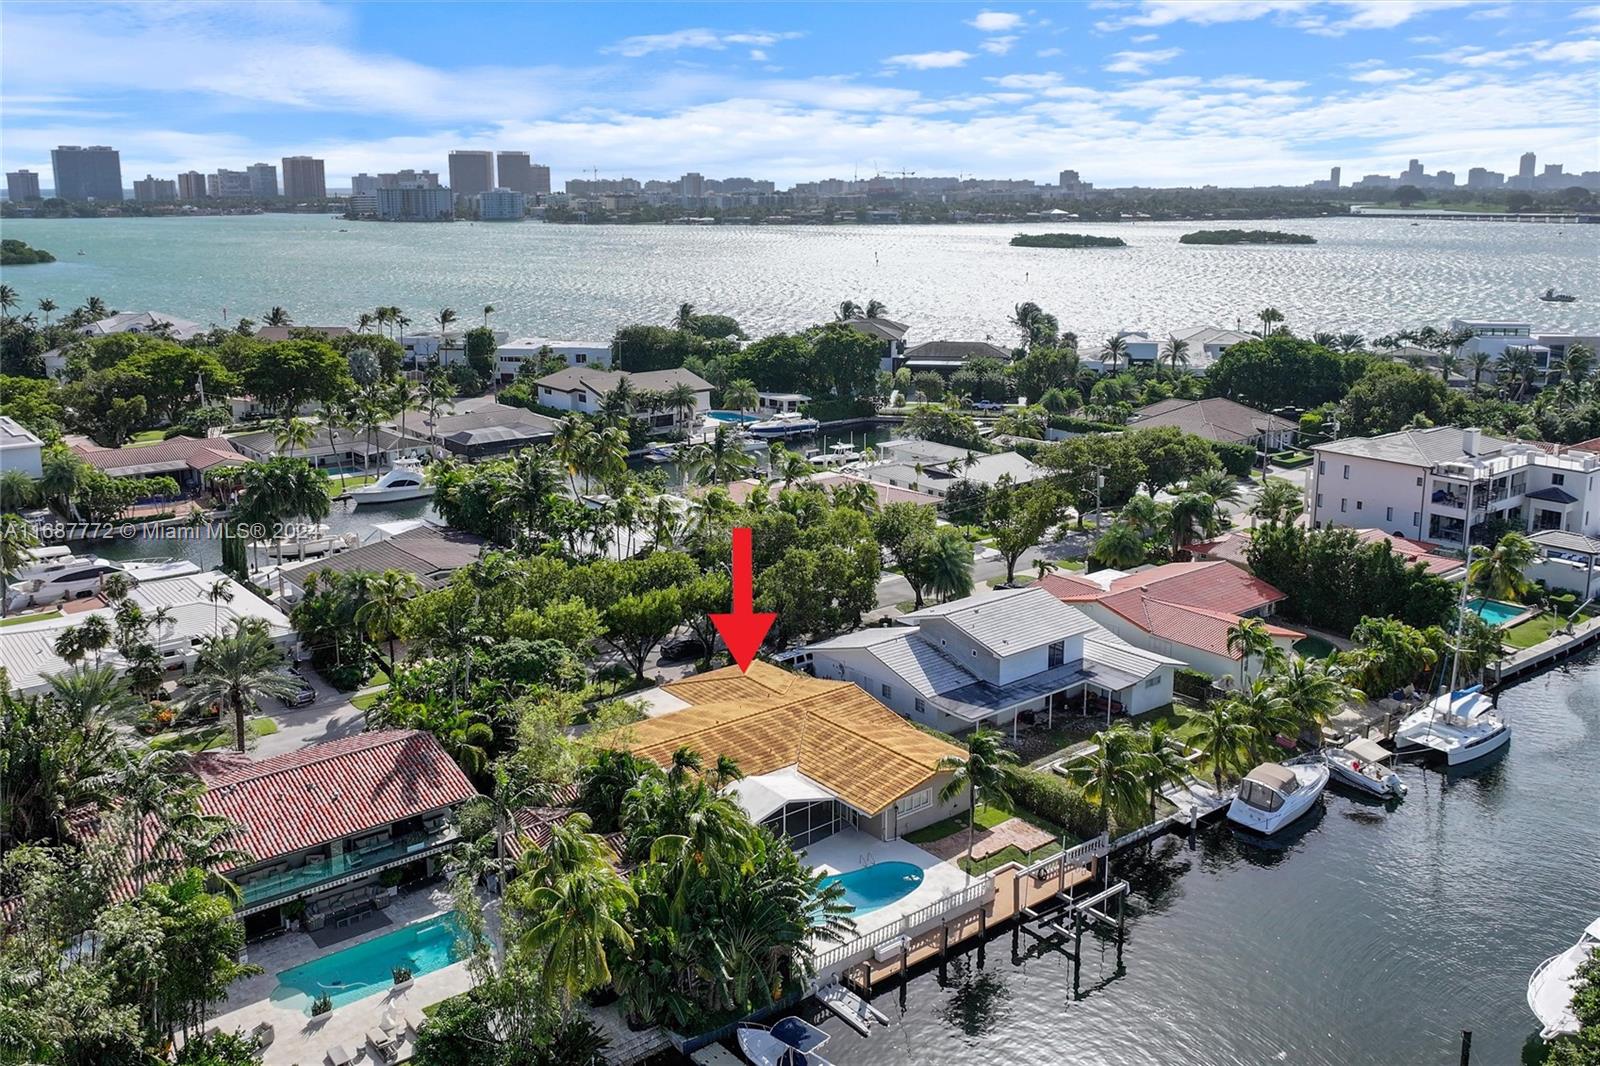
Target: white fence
852 951
1079 855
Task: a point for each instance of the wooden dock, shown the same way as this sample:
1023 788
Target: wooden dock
1548 652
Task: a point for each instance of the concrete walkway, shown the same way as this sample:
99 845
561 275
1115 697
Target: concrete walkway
1025 836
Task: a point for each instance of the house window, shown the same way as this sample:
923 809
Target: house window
583 398
1322 466
1347 471
1558 479
1319 500
1344 505
1388 514
919 706
887 691
918 800
1419 482
1057 656
1416 518
1153 681
1358 505
580 358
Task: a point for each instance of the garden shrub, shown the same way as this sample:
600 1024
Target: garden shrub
1236 459
1050 798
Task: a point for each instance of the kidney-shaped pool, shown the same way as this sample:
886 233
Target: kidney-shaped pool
877 885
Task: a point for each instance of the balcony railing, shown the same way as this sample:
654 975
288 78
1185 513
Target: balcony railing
315 871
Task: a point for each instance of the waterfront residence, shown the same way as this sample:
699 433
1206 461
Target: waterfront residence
1234 547
512 354
932 468
1567 562
1207 343
781 403
1548 349
350 450
20 448
833 480
156 323
284 333
1141 348
818 756
887 330
491 429
185 459
1012 658
946 357
1182 610
1221 420
582 389
27 648
427 552
1415 483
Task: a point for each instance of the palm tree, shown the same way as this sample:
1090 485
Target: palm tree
1501 572
94 635
444 319
875 309
982 771
1120 547
388 595
1279 502
87 692
741 395
437 390
17 538
1311 691
488 309
1576 366
949 566
570 444
1217 732
18 491
848 309
1220 485
364 321
1249 637
684 319
237 669
617 405
1110 775
1265 713
219 592
1518 365
1193 517
68 645
1176 353
1112 352
1479 361
1269 318
294 433
719 460
48 306
1162 761
277 317
682 400
8 300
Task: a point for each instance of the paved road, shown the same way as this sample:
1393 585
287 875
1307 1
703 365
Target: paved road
894 589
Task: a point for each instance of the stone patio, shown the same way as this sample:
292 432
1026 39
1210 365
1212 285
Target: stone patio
985 842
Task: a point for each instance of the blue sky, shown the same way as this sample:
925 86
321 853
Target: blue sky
1158 93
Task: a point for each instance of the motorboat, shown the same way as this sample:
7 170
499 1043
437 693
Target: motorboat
841 454
1553 982
404 481
80 576
1461 726
1275 794
791 1042
788 424
1551 296
661 453
1363 765
306 542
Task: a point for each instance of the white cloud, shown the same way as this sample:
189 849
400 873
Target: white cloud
1587 14
758 55
930 60
998 46
1026 81
1140 62
1512 57
1144 38
1326 17
1572 52
1380 75
1046 53
995 21
716 40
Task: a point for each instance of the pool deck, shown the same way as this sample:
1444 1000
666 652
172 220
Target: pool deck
851 849
299 1040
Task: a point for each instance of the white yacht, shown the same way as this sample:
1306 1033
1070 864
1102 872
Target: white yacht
1552 984
1461 726
305 542
789 424
1364 765
72 576
792 1042
1275 794
404 481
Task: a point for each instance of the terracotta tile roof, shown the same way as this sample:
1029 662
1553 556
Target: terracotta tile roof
1214 586
331 790
532 825
1412 550
835 733
1195 627
1231 547
194 452
1069 588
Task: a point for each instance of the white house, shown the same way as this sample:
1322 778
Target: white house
1548 349
1567 562
513 353
582 388
996 660
1415 483
926 466
20 449
1141 349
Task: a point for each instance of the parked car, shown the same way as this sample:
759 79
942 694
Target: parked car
302 696
680 648
988 405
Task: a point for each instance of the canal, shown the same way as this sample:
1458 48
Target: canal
1371 936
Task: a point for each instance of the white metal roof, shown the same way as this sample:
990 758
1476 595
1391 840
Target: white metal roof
1011 620
768 793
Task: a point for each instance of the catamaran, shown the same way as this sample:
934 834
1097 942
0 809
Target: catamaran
1462 726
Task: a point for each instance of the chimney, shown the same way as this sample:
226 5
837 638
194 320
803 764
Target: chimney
1469 441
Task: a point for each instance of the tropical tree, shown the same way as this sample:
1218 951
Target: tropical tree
1162 761
719 460
1517 365
1175 353
1220 736
982 771
948 565
1111 775
237 669
684 318
1249 638
387 597
1269 317
681 399
1312 692
277 316
444 319
17 538
294 433
1502 571
488 309
1112 352
1120 547
741 395
1193 516
1278 502
1265 713
1480 362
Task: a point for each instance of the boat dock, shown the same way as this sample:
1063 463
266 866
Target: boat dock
1547 652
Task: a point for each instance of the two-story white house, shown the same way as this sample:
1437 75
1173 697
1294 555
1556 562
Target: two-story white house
510 356
1001 660
1548 349
1418 483
582 388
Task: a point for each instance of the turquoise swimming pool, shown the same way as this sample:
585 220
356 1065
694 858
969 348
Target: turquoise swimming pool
877 885
732 416
368 968
1495 612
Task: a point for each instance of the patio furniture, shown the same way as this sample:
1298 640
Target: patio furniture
385 1044
263 1034
338 1056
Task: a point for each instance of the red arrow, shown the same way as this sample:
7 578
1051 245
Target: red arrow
743 629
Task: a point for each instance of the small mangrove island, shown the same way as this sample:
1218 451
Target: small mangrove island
1065 240
16 253
1245 236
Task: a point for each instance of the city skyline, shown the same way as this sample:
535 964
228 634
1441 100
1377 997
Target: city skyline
1288 90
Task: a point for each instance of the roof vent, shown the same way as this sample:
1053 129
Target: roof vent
1469 441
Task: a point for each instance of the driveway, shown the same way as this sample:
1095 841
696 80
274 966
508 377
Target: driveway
330 716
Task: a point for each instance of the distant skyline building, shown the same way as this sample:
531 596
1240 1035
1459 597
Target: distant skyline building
513 170
263 180
153 190
692 186
191 185
1525 167
22 185
93 173
228 184
364 184
415 202
1483 178
500 205
539 180
471 172
1333 177
304 178
408 177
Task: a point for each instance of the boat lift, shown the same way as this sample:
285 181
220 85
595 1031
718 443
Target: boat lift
1091 910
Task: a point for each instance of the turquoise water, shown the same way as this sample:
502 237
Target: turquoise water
877 885
1495 612
367 968
731 416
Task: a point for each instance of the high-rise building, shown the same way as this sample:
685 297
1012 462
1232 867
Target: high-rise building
364 184
22 185
415 202
692 186
154 190
1525 170
1444 179
303 178
1414 174
539 180
500 205
408 177
191 185
228 184
1482 178
514 172
1333 177
471 172
263 180
93 173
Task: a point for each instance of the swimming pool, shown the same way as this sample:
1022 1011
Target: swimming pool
367 968
877 885
732 416
1496 612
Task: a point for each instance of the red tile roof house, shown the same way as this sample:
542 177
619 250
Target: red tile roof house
323 823
186 459
1180 609
1234 546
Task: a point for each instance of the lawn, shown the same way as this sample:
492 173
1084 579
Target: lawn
1537 630
1011 853
148 436
367 699
336 488
988 817
210 738
43 616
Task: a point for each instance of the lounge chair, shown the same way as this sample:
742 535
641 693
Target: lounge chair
338 1056
414 1021
385 1044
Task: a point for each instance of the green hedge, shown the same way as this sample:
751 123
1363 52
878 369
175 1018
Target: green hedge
1052 799
1237 459
1196 684
1074 424
836 409
1292 459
